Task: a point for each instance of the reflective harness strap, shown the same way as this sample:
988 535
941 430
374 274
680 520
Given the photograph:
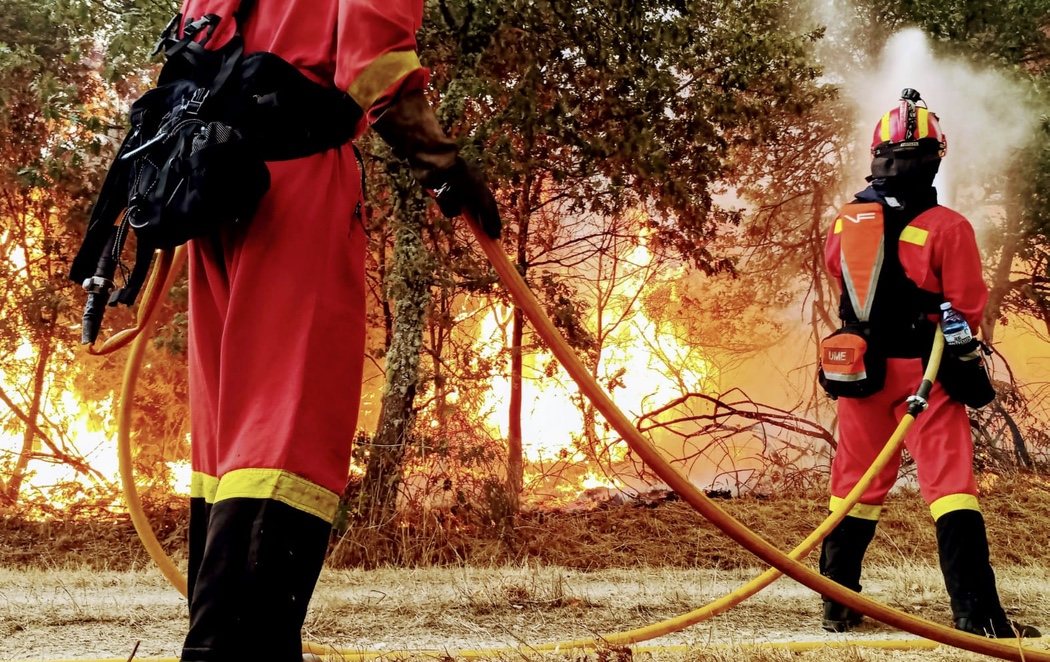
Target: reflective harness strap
861 253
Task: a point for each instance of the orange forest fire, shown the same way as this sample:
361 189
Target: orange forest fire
646 362
646 354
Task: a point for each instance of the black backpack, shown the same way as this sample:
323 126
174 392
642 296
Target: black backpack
194 160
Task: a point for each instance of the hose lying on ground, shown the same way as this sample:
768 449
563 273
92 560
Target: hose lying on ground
781 563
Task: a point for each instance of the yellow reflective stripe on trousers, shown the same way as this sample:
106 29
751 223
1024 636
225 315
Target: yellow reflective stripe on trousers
203 486
275 484
383 72
953 502
860 511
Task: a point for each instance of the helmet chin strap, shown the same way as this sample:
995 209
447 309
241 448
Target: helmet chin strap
910 171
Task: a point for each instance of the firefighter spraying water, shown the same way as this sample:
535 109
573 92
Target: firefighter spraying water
904 263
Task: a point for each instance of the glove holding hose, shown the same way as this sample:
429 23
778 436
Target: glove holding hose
411 129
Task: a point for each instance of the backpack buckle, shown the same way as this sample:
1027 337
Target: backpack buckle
167 35
194 103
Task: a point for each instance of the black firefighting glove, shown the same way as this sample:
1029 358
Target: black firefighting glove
412 131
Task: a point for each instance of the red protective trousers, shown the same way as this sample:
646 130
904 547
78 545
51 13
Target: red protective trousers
277 308
276 341
277 331
939 253
939 441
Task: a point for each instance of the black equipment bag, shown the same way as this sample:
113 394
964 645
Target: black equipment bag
965 377
194 160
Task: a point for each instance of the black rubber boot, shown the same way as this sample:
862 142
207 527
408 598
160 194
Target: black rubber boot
253 567
841 557
962 543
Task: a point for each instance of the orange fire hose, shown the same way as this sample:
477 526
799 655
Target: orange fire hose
124 409
787 564
735 529
157 287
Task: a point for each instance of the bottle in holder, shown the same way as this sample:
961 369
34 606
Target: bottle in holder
957 334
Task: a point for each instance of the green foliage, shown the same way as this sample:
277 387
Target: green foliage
65 68
617 104
1014 32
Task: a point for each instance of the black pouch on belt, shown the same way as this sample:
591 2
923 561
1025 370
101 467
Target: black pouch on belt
964 375
194 160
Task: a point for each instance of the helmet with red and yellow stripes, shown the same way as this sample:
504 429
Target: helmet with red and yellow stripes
909 128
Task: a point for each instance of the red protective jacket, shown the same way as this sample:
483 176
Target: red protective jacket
938 252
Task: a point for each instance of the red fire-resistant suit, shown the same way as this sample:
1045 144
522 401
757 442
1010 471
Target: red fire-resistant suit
898 257
276 340
939 254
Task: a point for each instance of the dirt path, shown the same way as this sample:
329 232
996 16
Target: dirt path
86 614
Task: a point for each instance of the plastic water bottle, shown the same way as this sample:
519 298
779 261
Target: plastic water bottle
953 325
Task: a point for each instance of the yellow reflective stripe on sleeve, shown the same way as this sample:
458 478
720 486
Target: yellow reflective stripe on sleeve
885 128
383 72
203 486
953 502
923 120
282 486
914 235
838 226
860 511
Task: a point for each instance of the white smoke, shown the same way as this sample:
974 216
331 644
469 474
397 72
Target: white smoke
984 113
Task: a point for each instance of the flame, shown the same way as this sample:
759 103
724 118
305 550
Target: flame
592 481
74 428
181 473
647 361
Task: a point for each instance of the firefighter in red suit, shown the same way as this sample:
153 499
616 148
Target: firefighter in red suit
930 255
277 326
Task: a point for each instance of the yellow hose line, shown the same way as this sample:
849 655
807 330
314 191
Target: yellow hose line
1009 649
332 655
125 407
527 301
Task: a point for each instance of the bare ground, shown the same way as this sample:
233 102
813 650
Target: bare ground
50 614
82 587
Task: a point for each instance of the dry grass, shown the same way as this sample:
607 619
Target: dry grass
672 534
101 614
453 581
